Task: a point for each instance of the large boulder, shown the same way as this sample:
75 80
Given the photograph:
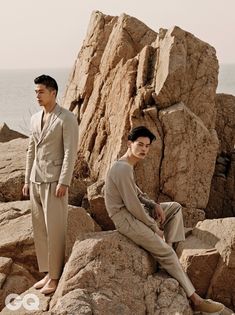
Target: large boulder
18 263
7 134
208 256
12 170
222 195
136 76
108 274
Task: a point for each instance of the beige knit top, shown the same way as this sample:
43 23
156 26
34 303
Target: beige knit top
121 191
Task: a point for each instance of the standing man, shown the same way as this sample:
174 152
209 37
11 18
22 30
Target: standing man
50 162
134 214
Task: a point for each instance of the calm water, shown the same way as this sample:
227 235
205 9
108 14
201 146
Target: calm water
17 99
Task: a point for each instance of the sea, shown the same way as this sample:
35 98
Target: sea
17 96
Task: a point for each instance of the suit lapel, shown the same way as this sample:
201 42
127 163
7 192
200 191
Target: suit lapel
47 126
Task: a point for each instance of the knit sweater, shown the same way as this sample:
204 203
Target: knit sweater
121 191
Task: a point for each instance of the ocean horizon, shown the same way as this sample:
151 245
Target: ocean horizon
17 96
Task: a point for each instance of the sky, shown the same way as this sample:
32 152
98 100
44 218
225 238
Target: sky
49 33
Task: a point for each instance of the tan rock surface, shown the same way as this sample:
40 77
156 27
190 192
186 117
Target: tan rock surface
137 73
207 256
222 195
12 169
79 222
192 216
6 134
97 207
189 157
108 274
186 71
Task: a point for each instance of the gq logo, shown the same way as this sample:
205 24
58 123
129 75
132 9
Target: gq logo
14 301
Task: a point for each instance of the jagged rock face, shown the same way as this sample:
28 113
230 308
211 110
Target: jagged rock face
12 170
6 134
208 256
108 274
18 263
137 76
222 195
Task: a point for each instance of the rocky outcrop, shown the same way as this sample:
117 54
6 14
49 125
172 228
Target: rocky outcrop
140 77
12 169
108 274
6 134
18 263
222 194
208 256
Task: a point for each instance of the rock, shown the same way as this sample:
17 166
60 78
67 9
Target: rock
108 274
39 303
208 256
186 71
189 157
18 265
6 134
139 74
97 207
225 121
222 195
12 170
79 222
192 216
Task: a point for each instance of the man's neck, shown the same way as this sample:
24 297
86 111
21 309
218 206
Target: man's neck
49 108
132 160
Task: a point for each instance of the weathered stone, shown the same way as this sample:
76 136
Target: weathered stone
208 257
108 274
192 216
6 134
189 157
97 207
79 222
225 121
186 71
222 195
12 170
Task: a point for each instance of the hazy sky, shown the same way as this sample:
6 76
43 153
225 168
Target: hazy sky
49 33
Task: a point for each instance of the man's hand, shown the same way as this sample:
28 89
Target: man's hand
25 190
61 190
160 215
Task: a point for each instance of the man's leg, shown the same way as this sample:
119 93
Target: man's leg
40 233
173 225
39 227
56 211
142 235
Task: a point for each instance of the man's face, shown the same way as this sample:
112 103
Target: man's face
44 95
140 147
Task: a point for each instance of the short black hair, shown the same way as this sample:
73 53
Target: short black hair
48 81
141 131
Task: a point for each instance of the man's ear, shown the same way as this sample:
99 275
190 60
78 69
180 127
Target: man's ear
128 143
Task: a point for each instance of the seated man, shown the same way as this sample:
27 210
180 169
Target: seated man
134 214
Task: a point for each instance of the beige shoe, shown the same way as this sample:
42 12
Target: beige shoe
209 306
49 287
41 283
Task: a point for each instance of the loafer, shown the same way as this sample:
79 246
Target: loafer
209 306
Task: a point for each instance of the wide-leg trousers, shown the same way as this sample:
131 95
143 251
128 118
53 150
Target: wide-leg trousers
144 236
49 219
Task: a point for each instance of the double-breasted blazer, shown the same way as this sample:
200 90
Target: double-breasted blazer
52 150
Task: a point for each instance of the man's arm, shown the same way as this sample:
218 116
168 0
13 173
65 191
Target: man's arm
126 186
30 156
70 142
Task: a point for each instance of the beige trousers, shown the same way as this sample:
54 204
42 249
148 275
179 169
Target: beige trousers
142 235
49 218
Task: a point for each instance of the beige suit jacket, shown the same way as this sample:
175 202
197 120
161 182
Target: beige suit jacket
52 150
